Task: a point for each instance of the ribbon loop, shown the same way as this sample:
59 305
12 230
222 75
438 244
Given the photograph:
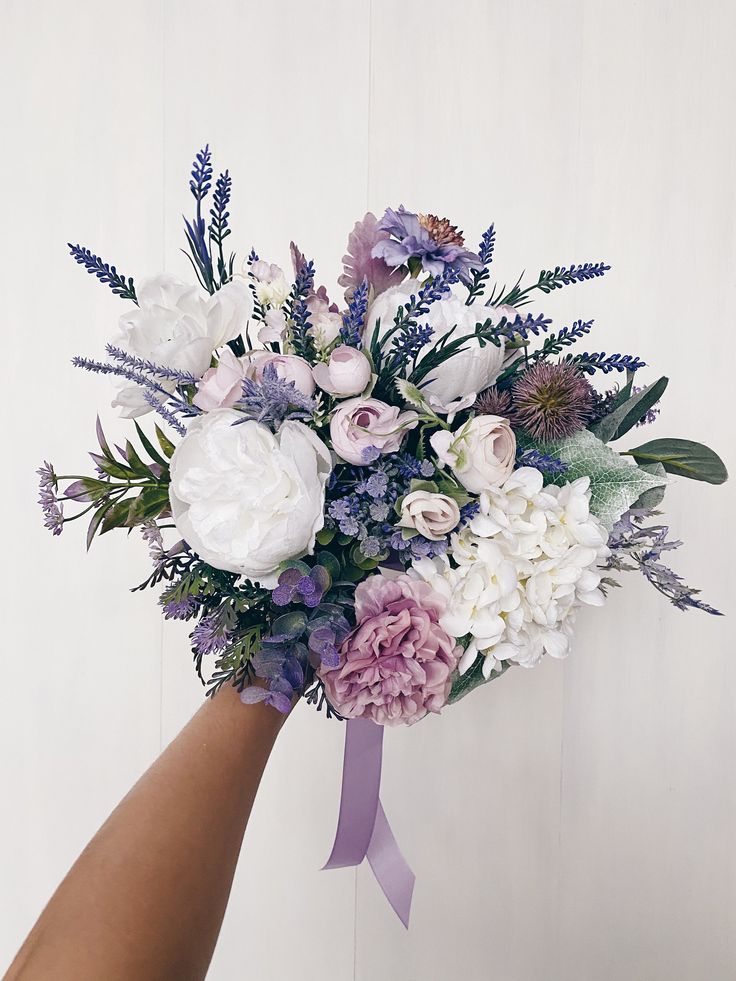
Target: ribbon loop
363 830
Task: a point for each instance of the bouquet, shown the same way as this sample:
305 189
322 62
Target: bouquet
379 503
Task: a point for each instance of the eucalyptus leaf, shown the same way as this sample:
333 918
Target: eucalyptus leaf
684 458
629 412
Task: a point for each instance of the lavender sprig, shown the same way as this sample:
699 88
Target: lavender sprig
166 414
599 361
298 312
487 245
106 273
523 326
632 542
140 364
554 279
548 465
354 320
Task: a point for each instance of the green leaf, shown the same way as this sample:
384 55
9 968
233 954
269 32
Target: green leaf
116 516
325 536
462 685
165 443
330 562
614 483
651 499
113 469
136 464
629 412
149 504
95 522
684 458
149 447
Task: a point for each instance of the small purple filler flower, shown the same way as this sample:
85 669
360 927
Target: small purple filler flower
47 498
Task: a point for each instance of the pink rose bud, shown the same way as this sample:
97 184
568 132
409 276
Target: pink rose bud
363 428
221 386
346 373
481 453
432 515
289 368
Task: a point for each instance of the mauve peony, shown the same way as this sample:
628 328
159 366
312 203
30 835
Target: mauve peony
289 368
397 665
432 515
347 372
359 426
221 386
481 453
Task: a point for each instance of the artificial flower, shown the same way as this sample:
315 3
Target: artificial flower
246 499
470 370
397 665
175 326
347 372
362 429
221 386
433 515
289 368
435 243
481 453
269 283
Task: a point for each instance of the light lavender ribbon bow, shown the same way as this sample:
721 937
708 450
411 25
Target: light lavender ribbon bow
363 830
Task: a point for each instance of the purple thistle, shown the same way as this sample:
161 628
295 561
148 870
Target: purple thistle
552 400
493 402
47 498
273 399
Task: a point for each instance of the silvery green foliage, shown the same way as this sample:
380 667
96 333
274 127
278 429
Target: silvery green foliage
615 484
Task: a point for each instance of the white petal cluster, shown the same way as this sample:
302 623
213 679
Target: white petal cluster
519 570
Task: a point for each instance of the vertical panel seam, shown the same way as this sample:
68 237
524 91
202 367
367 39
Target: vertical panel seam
163 267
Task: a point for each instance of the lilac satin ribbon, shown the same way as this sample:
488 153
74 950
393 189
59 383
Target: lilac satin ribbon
363 830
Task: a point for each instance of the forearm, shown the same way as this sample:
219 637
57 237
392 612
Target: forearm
146 898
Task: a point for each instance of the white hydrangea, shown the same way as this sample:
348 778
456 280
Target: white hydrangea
519 570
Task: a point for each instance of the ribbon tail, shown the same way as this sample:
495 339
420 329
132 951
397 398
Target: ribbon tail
390 868
359 804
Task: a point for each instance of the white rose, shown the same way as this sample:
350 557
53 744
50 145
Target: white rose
244 499
175 326
469 371
481 453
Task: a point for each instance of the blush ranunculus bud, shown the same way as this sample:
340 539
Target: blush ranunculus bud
221 386
347 372
289 368
244 499
432 515
397 665
481 453
363 428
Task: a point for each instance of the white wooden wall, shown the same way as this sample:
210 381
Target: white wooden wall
573 823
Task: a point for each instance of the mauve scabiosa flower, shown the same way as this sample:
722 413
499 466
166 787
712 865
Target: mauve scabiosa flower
552 401
494 402
396 666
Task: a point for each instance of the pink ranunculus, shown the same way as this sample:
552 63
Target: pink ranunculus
360 426
346 373
289 368
221 386
397 665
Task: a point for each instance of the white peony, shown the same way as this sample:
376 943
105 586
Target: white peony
176 326
244 499
469 371
519 571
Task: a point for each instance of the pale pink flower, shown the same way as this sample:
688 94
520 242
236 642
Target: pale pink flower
347 372
363 428
397 665
221 386
289 368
